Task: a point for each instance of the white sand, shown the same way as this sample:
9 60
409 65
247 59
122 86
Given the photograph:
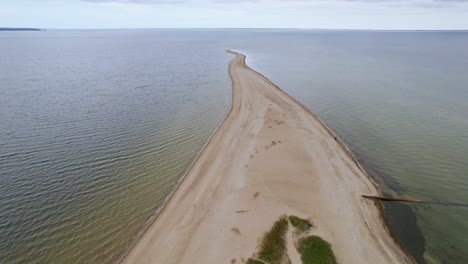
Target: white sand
272 145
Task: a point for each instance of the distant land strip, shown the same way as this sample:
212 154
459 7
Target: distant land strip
20 29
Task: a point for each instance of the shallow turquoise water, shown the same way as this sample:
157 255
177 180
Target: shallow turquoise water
97 126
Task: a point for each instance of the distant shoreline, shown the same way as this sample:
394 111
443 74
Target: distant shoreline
21 29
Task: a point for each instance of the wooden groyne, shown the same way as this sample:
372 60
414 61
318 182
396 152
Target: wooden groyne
392 199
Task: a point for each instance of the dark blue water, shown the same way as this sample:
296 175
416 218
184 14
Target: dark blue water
96 126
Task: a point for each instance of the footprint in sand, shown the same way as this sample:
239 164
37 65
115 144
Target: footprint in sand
236 230
278 122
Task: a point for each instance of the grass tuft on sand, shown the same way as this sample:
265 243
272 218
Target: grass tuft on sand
272 247
301 225
315 250
254 261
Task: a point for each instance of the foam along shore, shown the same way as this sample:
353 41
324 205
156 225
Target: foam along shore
270 157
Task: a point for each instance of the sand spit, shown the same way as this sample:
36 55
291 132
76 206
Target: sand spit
270 157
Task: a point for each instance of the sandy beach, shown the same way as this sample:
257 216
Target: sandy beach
269 157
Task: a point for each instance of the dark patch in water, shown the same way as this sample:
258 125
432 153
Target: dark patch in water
402 223
446 204
141 86
400 218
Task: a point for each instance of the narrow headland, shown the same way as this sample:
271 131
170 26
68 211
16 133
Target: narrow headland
272 185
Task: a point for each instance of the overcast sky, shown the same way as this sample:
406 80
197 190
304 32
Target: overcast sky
326 14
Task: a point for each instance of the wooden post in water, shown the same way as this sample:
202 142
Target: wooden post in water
392 199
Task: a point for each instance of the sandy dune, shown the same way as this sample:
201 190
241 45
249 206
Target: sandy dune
269 157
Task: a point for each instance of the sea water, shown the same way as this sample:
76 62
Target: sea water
96 127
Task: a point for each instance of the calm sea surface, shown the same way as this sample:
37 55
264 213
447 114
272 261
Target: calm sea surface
97 126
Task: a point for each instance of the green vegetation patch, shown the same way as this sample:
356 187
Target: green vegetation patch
273 245
254 261
315 250
300 224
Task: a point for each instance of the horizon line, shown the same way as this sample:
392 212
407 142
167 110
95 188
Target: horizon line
238 28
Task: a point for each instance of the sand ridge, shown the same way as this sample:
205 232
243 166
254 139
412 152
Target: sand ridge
270 157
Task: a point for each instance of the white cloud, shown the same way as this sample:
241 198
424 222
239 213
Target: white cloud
422 3
345 14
